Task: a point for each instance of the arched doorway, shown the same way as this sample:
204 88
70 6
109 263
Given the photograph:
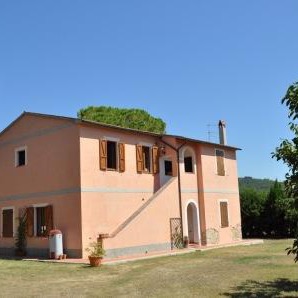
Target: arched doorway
192 223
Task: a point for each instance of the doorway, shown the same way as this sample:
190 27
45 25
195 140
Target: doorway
192 223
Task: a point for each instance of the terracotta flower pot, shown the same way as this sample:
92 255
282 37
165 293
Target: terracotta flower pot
95 261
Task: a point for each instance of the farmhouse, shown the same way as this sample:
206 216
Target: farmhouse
137 191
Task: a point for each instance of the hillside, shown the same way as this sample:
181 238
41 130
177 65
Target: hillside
256 184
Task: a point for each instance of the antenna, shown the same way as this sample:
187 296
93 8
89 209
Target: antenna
211 134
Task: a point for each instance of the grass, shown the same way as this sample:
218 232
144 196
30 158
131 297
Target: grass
262 270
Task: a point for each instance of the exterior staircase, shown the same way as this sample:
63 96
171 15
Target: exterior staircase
140 209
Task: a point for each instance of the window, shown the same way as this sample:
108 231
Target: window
39 221
147 159
220 162
188 160
41 227
224 216
188 164
20 157
168 168
111 155
7 222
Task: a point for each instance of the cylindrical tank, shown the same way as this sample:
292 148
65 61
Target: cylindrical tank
56 245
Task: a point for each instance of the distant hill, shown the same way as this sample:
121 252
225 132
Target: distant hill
256 184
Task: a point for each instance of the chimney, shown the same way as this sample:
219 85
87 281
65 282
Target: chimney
222 132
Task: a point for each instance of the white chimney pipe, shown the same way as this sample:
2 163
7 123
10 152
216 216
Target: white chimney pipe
222 132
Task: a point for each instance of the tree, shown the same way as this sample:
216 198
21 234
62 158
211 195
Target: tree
267 214
288 151
128 118
252 205
274 213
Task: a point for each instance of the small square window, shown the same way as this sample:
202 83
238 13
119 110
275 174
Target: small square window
20 157
168 168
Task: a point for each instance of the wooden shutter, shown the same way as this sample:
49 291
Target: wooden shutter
48 219
155 160
103 155
7 220
139 157
30 221
220 163
121 148
224 214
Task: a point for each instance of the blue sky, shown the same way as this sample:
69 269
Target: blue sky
189 62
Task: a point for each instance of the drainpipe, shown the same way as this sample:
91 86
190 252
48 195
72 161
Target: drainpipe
179 179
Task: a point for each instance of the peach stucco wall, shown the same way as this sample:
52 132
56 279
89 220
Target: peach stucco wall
51 175
220 188
153 224
53 156
109 197
66 212
91 176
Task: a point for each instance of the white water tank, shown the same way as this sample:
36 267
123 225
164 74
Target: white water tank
56 244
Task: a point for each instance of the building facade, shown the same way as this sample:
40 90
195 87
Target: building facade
128 187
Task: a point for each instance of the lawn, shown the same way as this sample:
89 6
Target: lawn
262 270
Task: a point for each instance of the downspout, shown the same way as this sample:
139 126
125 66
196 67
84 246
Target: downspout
179 178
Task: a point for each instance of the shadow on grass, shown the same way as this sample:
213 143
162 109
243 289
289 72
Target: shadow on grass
274 288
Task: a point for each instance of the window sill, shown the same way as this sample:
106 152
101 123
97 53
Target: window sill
145 172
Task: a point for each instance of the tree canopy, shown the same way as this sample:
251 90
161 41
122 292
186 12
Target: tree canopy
263 185
288 153
267 214
128 118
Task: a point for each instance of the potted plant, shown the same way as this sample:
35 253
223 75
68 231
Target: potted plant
96 253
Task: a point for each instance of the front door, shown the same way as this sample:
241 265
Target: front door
192 223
